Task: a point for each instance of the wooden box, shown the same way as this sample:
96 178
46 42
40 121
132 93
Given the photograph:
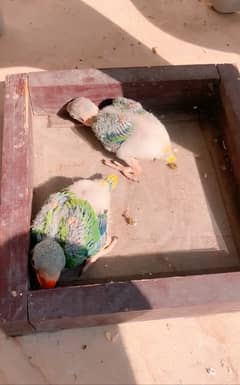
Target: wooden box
208 93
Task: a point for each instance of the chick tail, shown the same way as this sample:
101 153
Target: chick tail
172 161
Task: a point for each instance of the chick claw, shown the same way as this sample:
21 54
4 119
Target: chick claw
127 171
109 245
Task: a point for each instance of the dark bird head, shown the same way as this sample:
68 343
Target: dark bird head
48 261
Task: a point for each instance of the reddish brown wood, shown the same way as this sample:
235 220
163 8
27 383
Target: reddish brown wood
155 86
90 76
15 208
142 299
230 100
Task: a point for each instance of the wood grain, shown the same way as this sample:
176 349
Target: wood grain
155 86
230 97
134 300
15 207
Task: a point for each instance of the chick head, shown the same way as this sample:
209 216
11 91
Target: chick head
83 110
48 260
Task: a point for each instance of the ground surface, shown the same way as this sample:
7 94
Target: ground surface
68 34
179 216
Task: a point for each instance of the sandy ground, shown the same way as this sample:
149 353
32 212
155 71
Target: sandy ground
57 34
183 242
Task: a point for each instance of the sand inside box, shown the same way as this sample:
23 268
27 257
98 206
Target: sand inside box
180 220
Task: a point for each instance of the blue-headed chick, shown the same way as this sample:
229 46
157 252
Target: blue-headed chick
72 228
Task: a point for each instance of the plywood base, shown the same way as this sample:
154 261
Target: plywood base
181 223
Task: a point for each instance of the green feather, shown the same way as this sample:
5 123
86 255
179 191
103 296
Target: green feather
48 220
63 231
126 104
112 129
73 223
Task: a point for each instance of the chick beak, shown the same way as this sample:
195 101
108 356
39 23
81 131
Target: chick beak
46 282
88 122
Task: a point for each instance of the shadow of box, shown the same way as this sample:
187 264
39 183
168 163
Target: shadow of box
215 91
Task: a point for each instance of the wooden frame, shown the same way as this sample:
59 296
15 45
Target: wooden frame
23 310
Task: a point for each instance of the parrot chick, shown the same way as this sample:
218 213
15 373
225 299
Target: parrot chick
128 130
72 228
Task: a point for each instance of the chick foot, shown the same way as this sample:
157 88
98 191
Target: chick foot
110 244
130 172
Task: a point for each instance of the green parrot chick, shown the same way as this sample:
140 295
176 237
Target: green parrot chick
72 228
128 130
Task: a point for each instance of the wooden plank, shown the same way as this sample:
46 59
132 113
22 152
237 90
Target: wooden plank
220 157
155 85
164 73
230 100
50 100
125 301
93 76
15 206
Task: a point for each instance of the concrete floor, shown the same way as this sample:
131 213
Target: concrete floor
56 34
